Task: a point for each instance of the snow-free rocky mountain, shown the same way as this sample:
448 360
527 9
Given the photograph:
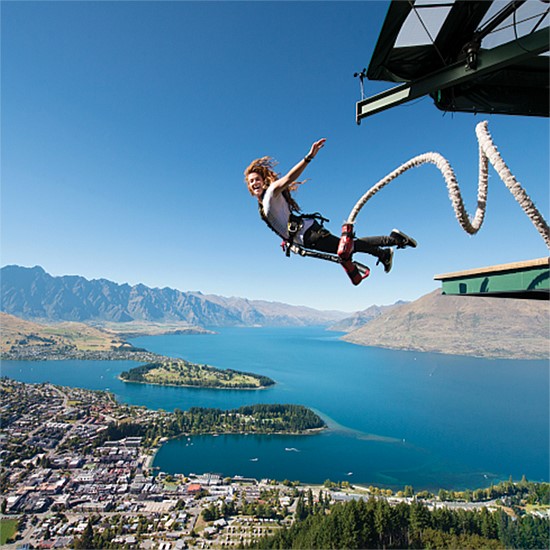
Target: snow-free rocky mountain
361 318
33 294
463 325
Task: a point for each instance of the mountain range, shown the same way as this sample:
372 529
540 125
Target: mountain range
460 325
33 294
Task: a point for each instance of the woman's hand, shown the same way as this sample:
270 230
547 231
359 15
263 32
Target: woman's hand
289 179
315 148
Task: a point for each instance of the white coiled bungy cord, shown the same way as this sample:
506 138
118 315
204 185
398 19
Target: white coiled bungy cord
487 152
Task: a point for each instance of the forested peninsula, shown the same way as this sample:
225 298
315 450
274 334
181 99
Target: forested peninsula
259 419
178 372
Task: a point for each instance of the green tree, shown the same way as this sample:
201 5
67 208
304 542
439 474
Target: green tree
351 526
488 524
420 519
86 540
382 521
301 512
310 499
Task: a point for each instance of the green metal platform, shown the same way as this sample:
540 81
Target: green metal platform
528 279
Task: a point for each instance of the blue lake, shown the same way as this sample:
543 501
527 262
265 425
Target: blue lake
396 418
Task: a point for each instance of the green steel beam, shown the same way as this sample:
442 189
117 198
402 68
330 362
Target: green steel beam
519 280
487 61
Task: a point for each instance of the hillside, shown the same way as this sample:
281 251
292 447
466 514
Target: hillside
16 334
361 318
462 325
33 294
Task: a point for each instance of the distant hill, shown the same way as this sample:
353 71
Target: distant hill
33 294
361 318
463 325
18 334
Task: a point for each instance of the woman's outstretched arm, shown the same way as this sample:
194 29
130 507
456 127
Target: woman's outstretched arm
294 173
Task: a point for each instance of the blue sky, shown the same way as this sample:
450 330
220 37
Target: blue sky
126 127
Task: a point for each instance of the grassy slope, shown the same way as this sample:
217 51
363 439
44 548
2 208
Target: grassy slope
8 528
18 332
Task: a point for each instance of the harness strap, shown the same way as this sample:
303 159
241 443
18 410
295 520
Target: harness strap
315 216
345 246
294 225
356 271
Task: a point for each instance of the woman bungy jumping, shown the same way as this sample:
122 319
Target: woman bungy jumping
283 215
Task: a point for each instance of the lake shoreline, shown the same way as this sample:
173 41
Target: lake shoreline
33 354
191 386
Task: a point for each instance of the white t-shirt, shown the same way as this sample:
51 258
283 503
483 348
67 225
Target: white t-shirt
277 210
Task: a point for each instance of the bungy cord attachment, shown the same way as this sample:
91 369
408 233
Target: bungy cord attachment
487 152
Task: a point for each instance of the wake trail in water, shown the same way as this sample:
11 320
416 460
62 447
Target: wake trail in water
358 434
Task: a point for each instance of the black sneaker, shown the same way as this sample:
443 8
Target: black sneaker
402 240
386 259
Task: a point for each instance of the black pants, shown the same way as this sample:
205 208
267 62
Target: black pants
319 238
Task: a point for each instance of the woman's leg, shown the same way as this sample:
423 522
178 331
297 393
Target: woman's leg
319 238
395 238
371 245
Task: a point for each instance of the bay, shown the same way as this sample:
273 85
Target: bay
396 418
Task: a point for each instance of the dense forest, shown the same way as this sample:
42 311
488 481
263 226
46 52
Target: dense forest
376 524
259 418
177 372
